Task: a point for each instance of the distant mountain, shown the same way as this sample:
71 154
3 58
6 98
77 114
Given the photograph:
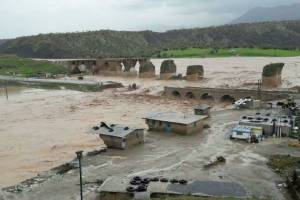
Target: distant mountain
107 43
264 14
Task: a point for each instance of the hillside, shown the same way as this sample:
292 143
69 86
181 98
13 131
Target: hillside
2 41
106 43
263 14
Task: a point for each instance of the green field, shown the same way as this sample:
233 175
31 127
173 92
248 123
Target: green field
11 65
211 53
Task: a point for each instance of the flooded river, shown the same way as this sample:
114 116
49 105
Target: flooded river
41 129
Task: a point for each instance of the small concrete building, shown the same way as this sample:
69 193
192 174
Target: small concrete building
202 109
119 136
175 122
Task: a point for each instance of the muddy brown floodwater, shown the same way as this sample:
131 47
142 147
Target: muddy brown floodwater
40 129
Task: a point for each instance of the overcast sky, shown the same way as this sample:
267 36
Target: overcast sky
28 17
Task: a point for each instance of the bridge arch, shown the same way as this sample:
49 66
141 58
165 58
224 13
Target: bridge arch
227 99
176 94
207 97
190 95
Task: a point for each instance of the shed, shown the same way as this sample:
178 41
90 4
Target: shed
175 122
247 133
120 136
202 109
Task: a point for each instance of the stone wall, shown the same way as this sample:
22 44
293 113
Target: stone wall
217 94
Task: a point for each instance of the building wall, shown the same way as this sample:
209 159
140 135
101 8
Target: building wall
195 127
174 127
131 139
112 142
268 128
202 112
135 137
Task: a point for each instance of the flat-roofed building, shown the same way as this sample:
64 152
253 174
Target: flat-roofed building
271 125
175 122
120 136
202 109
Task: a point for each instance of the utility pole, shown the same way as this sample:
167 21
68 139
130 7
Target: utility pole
6 92
79 156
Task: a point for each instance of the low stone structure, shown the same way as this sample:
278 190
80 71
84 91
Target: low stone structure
108 67
119 136
202 109
168 69
194 73
175 122
80 85
147 69
271 76
222 94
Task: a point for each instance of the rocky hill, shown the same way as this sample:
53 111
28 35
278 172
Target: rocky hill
263 14
106 43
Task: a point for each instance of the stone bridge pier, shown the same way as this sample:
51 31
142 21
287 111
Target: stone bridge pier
78 66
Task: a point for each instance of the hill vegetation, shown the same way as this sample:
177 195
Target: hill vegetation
106 43
11 65
215 52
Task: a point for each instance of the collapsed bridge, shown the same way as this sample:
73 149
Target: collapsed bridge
225 94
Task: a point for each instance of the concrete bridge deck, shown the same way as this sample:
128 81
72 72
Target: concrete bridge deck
79 85
226 94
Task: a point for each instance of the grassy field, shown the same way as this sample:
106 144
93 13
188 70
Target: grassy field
11 65
209 52
281 164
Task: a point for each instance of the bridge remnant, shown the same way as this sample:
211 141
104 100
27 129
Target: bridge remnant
147 69
225 94
129 63
194 73
167 69
108 67
271 76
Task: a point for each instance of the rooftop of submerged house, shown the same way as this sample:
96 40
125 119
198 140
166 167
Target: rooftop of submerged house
173 117
116 130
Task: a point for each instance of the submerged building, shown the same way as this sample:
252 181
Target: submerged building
120 136
175 122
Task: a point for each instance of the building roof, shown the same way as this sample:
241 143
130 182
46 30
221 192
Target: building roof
202 107
178 118
245 129
115 130
266 120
